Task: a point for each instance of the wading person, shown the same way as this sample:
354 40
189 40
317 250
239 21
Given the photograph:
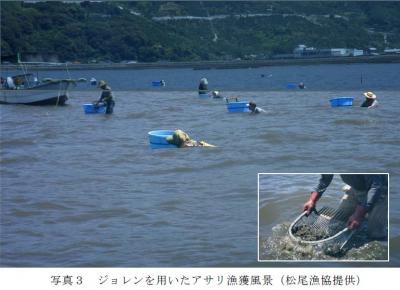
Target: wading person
203 86
366 195
106 97
182 139
254 109
370 100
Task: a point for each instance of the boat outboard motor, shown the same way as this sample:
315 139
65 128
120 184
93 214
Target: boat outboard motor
10 83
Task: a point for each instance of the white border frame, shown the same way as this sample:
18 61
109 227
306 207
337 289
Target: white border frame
329 261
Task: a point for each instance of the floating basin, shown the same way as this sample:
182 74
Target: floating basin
238 107
157 139
92 109
158 83
341 102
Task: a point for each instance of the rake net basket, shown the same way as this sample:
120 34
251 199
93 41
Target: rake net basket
325 226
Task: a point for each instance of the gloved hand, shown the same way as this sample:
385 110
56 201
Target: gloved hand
357 217
311 202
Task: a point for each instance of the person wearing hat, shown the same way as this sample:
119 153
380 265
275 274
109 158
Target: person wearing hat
370 100
203 86
182 139
366 195
254 109
106 97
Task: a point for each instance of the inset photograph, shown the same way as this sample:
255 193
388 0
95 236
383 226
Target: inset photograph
323 217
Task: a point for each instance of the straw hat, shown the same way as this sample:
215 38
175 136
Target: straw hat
102 84
370 95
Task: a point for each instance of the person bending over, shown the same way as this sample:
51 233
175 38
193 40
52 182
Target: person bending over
366 195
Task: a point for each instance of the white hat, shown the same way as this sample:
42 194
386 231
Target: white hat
370 95
204 81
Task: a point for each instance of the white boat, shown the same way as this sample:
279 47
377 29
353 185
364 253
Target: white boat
25 89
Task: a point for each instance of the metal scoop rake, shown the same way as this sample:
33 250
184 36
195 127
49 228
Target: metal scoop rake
326 227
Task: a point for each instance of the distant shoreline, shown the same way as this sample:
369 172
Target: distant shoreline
204 65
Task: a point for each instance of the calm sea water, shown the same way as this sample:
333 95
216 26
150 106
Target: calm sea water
316 77
86 190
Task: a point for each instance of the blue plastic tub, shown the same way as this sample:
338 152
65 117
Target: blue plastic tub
158 83
341 102
238 107
162 146
291 85
159 136
92 109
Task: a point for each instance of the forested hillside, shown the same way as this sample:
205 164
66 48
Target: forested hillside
163 31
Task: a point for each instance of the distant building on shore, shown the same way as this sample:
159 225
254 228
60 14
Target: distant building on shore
392 51
358 52
303 51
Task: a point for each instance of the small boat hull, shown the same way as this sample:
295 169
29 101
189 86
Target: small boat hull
54 93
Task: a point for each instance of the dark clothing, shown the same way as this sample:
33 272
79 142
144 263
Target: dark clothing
106 94
110 107
375 185
107 98
203 87
369 103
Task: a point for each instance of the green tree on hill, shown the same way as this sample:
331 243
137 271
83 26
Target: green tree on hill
117 31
